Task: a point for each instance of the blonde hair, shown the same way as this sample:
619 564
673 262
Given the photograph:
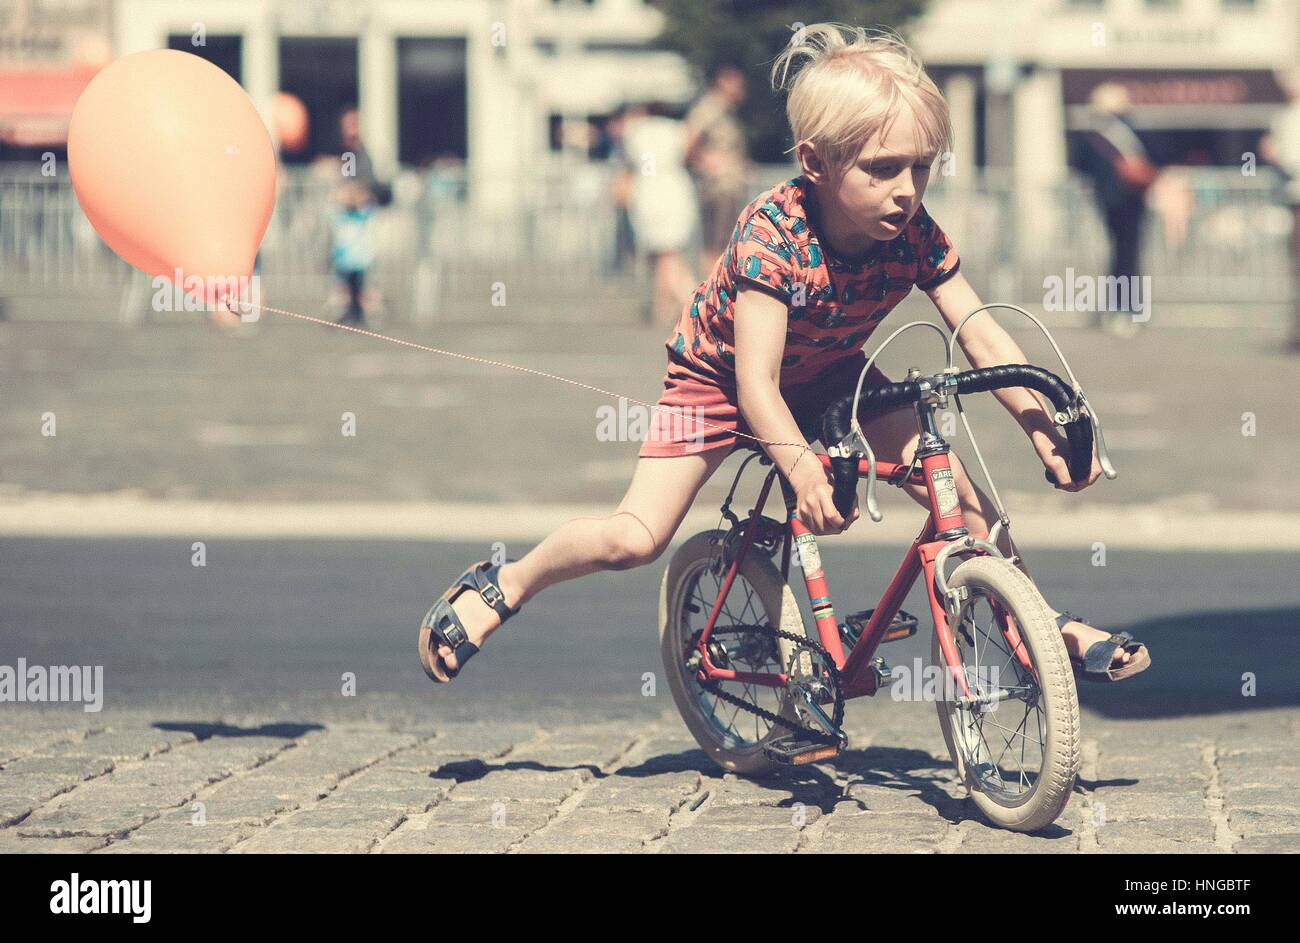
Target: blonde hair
850 84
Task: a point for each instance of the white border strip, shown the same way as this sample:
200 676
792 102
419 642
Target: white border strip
131 515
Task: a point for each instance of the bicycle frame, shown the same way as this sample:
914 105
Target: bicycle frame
943 524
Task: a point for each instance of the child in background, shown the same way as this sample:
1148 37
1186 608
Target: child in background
352 252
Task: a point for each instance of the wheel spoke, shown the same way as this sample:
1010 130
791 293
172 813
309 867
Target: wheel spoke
983 646
1014 734
744 649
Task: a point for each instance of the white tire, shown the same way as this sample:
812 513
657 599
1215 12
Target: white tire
1039 803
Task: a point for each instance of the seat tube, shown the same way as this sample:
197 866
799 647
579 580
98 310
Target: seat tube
814 577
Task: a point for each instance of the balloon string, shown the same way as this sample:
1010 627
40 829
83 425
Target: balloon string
511 366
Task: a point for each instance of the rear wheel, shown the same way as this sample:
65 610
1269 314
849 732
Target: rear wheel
1016 745
733 737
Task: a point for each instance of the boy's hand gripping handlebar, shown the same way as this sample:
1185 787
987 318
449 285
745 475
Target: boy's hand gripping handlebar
844 455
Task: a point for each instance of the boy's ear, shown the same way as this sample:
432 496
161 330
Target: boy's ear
811 163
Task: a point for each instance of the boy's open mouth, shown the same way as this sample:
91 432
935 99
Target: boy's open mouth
895 219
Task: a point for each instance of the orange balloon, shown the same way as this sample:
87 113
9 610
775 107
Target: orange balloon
175 169
291 121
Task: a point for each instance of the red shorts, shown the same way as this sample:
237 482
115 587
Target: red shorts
692 408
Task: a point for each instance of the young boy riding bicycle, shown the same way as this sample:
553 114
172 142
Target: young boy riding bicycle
776 331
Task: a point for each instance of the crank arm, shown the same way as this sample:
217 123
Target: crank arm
819 715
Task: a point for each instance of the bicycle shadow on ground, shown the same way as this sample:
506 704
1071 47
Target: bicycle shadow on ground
1206 663
850 781
205 731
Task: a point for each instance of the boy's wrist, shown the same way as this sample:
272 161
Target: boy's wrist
1035 421
1043 440
803 469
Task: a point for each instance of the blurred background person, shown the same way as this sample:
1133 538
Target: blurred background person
663 205
357 163
1281 148
444 178
620 191
352 251
1173 201
718 158
1115 159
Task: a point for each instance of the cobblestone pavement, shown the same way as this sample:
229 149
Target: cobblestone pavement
380 779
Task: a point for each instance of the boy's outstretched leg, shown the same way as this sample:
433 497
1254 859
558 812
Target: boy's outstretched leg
659 496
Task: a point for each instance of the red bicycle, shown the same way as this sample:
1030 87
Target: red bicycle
757 691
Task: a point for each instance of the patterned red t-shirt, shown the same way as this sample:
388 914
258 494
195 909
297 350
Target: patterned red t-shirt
775 249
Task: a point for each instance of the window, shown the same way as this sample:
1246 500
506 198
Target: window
431 99
322 73
224 52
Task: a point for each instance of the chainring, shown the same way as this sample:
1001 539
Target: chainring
831 676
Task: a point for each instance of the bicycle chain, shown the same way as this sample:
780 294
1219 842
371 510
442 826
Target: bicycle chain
833 673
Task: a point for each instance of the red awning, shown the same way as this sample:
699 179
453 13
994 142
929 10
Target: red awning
36 104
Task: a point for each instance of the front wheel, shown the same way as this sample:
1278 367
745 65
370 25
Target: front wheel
1015 739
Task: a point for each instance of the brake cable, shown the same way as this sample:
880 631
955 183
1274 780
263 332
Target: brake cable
873 509
1103 457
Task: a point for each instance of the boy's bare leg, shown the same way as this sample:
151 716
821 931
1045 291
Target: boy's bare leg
659 496
894 438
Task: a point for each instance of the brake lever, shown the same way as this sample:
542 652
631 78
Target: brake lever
1103 457
1082 406
873 507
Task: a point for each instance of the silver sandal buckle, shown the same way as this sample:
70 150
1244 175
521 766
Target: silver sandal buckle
495 596
454 636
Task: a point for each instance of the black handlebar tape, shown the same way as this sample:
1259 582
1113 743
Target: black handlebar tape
1017 374
835 426
836 420
1079 434
844 473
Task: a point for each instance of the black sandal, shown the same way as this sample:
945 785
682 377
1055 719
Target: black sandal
441 625
1097 662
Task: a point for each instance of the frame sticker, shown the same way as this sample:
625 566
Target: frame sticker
945 491
810 557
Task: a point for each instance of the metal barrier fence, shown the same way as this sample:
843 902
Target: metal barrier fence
1210 235
435 258
1220 237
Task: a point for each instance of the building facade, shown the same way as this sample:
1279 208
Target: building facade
1203 75
503 84
484 81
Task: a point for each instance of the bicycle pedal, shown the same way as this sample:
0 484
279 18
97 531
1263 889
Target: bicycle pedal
793 751
903 626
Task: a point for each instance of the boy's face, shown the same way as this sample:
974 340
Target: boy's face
882 189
